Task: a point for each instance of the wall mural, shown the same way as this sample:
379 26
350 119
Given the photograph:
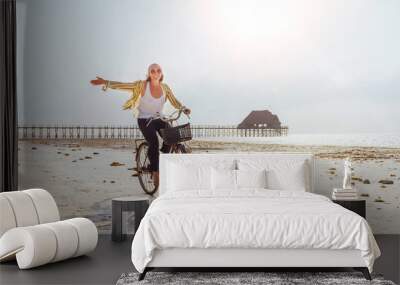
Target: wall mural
300 82
85 174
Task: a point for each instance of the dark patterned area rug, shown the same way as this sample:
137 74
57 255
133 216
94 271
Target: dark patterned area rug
273 278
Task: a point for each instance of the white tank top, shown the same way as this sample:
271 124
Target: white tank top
149 106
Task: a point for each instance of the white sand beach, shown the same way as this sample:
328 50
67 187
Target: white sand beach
80 175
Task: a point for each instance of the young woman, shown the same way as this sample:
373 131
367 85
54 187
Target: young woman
147 99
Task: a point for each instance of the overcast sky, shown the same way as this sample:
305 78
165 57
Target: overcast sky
321 66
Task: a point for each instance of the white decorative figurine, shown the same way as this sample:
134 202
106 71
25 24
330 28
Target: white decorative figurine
347 174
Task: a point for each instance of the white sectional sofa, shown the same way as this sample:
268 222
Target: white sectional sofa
31 231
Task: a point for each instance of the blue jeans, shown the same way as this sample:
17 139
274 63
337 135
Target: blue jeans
150 134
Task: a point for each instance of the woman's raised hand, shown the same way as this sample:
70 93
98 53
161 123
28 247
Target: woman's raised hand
98 81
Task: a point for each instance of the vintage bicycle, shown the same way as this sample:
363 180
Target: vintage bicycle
175 136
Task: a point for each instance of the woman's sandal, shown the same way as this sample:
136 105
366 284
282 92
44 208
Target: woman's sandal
156 183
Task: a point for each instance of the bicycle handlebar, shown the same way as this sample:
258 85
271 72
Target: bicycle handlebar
170 118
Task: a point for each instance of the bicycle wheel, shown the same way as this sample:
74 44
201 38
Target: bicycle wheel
144 174
180 148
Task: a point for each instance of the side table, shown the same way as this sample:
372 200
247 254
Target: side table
357 206
137 204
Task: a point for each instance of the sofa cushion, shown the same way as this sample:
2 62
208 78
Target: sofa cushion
23 208
27 208
7 215
46 207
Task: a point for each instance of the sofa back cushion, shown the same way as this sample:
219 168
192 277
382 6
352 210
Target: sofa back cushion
26 208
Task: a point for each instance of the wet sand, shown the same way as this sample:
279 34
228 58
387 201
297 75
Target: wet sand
320 151
84 175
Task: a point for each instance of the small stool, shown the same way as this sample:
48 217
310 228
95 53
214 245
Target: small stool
138 204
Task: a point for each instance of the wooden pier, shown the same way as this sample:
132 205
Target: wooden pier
34 131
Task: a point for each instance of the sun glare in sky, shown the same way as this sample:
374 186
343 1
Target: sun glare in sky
301 59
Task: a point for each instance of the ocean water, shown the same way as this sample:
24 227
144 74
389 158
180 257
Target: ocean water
353 139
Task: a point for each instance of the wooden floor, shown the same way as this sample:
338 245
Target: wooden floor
111 259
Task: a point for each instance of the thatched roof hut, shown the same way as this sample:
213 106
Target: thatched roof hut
260 119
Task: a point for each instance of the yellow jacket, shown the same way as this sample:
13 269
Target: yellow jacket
136 88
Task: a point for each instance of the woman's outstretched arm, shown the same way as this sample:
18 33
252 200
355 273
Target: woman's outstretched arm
128 86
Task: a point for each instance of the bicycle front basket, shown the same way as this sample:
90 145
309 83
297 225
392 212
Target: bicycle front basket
176 134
